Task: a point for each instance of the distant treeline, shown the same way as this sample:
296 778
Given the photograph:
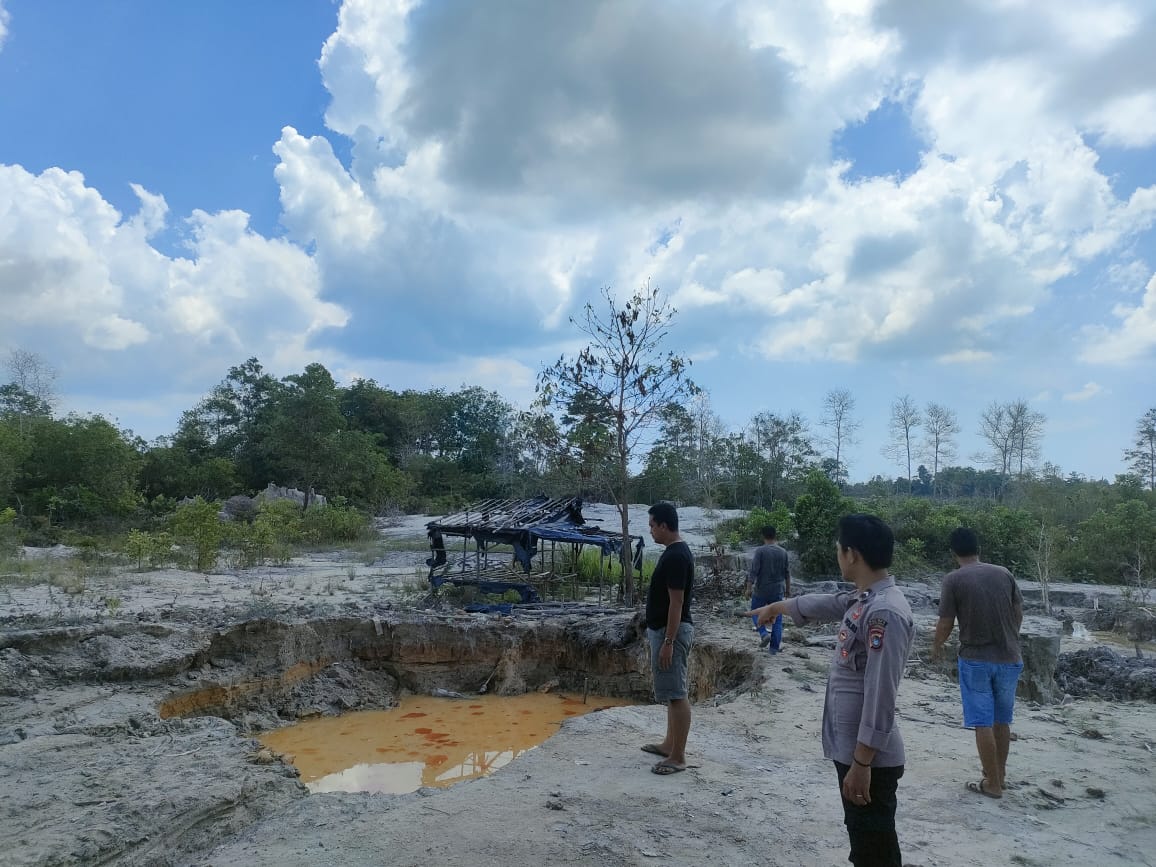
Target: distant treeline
382 450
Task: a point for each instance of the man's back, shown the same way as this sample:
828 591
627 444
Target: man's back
769 570
984 598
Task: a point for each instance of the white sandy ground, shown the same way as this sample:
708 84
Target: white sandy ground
761 792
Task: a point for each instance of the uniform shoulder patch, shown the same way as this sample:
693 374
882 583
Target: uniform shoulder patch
876 629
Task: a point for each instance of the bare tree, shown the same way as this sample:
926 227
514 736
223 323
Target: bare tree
624 380
841 424
1014 431
940 427
33 374
708 431
1045 557
1142 456
995 426
31 391
905 420
1027 428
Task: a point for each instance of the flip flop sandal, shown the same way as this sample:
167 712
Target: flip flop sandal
665 770
978 788
654 749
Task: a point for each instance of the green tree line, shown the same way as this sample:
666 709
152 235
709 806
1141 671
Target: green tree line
378 450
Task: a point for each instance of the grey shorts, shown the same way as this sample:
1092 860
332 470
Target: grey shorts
671 683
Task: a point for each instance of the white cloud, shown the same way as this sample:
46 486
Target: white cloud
3 24
1132 340
540 188
1090 390
83 284
506 164
1128 121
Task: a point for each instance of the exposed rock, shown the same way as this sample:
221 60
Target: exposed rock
1129 618
1040 648
277 492
239 508
1100 671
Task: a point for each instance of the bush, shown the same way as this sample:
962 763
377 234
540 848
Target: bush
9 533
149 549
335 524
198 526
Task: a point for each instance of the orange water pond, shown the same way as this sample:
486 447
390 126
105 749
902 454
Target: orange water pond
425 741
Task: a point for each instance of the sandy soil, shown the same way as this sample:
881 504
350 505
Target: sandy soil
87 765
1082 791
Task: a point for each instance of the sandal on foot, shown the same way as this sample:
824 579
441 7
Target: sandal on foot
654 749
978 788
665 769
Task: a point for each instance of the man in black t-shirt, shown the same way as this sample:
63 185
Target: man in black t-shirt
671 633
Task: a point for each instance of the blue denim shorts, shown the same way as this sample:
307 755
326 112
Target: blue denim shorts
988 690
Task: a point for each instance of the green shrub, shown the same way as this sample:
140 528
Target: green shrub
150 550
9 533
197 525
335 524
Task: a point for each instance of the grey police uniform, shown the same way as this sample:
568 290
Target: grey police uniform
875 636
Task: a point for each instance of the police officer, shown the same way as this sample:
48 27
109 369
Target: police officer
860 733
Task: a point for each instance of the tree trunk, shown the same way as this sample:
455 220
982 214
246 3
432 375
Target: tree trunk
627 559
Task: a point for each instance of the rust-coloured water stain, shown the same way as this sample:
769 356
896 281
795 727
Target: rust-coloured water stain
382 751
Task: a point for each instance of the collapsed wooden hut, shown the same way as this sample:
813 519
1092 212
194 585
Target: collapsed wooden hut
532 546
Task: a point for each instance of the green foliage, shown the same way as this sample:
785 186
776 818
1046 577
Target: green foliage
817 513
737 532
81 468
9 533
150 550
779 517
1117 544
198 527
334 524
373 449
591 564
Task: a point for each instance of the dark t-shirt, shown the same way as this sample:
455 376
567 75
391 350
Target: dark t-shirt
983 597
770 569
674 571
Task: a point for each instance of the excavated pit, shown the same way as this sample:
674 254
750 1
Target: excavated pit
132 742
262 673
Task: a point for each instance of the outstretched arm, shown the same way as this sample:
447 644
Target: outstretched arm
809 608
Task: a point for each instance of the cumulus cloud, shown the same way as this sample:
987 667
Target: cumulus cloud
3 24
78 278
535 153
508 160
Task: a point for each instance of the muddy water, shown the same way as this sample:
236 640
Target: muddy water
425 741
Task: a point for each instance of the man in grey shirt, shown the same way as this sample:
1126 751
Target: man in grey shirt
987 601
860 731
769 581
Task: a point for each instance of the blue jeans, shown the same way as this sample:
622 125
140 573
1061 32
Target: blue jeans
777 626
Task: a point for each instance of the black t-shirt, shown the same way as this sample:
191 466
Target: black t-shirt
674 571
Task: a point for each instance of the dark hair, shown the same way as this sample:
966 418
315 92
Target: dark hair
963 542
666 514
769 532
869 536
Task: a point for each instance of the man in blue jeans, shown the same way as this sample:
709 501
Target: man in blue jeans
769 581
987 602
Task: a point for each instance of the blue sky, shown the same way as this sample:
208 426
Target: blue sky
955 203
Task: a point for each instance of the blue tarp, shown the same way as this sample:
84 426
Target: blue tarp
558 521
